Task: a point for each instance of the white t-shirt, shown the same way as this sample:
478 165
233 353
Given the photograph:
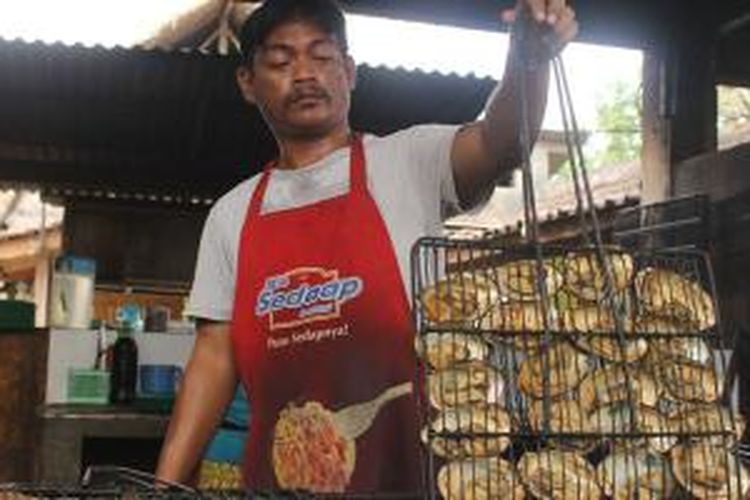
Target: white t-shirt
409 176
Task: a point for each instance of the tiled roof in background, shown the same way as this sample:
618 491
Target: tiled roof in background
614 185
617 184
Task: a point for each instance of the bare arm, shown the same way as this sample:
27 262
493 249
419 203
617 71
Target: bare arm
207 388
488 149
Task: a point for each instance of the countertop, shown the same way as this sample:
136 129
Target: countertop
141 409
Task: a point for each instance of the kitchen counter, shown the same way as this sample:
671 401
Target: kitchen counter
72 436
75 436
107 412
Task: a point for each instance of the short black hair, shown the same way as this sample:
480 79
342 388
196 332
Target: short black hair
326 14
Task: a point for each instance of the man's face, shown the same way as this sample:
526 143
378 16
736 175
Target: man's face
301 80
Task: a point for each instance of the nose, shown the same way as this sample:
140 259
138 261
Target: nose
303 69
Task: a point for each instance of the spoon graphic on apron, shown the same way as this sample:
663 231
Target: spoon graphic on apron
354 420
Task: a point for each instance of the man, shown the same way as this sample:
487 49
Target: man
300 282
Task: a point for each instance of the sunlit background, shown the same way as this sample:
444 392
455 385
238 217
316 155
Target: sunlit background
89 22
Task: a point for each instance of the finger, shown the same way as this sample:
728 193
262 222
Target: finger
538 9
570 33
555 10
567 27
562 33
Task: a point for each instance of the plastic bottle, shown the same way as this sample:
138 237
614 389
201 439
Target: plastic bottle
101 362
124 369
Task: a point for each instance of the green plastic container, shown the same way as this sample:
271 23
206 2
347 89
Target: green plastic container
16 315
87 386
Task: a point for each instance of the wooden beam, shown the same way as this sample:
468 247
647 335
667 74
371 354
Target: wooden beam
693 127
679 107
655 160
42 276
20 254
733 58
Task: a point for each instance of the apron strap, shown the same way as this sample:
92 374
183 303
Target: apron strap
357 171
260 192
357 175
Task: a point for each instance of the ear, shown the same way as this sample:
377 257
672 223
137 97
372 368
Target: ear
246 83
351 72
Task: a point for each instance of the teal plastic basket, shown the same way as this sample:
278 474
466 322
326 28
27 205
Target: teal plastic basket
87 386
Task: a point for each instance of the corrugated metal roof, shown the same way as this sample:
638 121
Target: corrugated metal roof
153 120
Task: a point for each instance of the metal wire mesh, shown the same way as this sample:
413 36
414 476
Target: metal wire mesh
609 388
114 482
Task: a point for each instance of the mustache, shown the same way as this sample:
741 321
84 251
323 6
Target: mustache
307 92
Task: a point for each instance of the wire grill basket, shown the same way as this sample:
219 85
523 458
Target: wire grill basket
570 372
546 379
115 482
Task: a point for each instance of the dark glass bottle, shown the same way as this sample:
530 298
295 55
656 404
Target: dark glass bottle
124 369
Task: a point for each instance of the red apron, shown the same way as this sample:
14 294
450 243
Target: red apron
321 322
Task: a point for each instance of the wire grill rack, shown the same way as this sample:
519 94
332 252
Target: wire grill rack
115 482
604 389
554 372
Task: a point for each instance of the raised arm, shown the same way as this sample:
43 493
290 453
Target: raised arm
487 150
207 388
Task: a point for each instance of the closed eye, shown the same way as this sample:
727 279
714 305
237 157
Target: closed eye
324 50
277 57
322 57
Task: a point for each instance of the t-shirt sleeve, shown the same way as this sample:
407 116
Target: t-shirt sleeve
429 157
212 294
